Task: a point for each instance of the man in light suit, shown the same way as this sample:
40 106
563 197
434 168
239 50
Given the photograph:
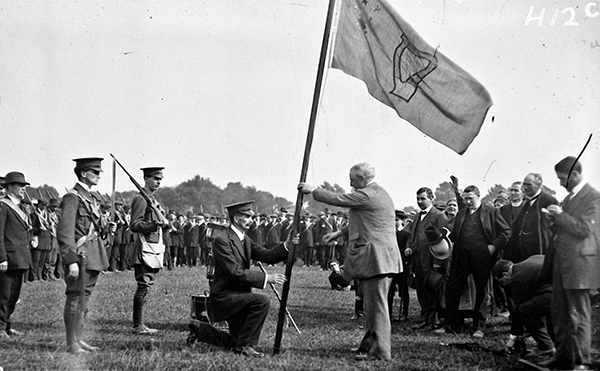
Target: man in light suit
575 259
15 256
373 255
231 296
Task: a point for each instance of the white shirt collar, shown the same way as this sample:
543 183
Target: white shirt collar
239 233
427 210
15 200
578 187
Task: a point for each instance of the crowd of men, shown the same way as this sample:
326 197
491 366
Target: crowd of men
523 256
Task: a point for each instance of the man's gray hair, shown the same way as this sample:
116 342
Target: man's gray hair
363 169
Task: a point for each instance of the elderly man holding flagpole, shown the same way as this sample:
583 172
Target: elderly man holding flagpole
373 255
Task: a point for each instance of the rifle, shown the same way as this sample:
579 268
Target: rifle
43 225
152 203
287 312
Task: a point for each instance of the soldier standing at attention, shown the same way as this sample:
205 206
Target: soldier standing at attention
147 222
79 235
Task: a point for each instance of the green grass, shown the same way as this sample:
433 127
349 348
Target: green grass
322 315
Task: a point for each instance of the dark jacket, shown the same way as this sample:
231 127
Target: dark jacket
78 215
495 229
14 238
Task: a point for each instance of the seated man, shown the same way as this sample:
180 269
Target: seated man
336 279
231 296
531 301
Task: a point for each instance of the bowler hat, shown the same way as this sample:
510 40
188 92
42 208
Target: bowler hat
15 177
439 244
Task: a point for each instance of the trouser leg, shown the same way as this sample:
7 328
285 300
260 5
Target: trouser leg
377 321
144 277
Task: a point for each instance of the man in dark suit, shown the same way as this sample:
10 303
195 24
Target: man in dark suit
272 238
41 240
79 233
530 233
509 211
479 232
373 255
532 299
231 296
148 222
15 257
422 261
575 259
323 227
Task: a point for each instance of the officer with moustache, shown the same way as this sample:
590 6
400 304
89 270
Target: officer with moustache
232 299
79 233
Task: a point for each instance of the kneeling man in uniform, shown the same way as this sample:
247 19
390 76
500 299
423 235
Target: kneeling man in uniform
232 299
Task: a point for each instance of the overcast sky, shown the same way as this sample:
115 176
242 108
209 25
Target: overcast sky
223 89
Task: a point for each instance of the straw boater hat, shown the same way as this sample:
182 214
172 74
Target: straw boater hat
439 244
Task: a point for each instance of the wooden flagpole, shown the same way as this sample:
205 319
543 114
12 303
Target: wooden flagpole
305 162
113 194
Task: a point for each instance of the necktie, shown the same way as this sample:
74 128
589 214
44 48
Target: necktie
532 200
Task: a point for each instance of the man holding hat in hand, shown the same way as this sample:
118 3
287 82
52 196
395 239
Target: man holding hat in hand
232 299
15 256
82 252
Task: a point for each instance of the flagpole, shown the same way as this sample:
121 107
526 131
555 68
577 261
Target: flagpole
305 162
114 185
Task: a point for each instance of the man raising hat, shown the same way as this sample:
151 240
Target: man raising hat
15 256
232 299
147 221
79 233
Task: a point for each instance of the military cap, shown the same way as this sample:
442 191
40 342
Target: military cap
274 215
42 202
88 163
155 171
244 207
283 210
327 211
118 202
15 177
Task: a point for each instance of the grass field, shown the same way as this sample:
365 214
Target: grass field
323 316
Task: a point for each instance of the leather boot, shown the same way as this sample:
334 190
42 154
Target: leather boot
71 324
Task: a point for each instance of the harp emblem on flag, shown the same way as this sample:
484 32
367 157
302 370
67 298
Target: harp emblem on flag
411 66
